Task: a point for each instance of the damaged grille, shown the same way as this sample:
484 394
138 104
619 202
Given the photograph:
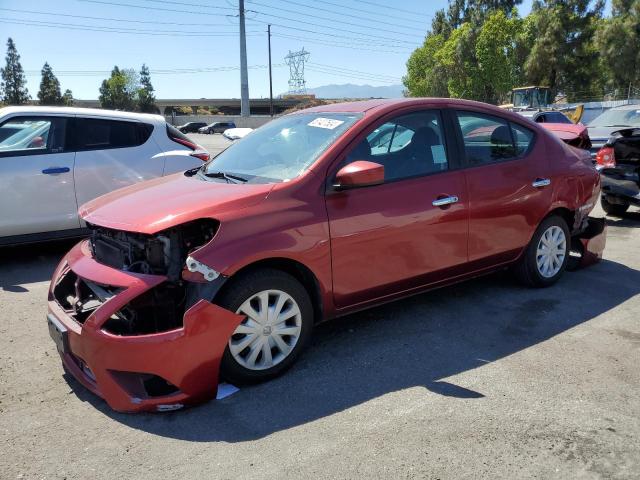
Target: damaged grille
79 297
157 310
161 254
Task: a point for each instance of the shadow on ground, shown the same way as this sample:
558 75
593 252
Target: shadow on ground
628 219
418 342
26 264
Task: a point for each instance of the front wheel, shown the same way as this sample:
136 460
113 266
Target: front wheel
545 258
277 325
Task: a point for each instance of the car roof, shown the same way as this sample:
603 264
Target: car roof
90 112
365 106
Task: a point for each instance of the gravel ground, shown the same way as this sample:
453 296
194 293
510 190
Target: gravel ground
480 380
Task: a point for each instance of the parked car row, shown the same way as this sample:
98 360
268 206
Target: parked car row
202 127
317 214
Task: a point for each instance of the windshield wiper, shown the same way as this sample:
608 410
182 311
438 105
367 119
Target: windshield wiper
227 176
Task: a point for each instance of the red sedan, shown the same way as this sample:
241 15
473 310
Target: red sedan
223 271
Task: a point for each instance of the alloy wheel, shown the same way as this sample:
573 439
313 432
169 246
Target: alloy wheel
269 332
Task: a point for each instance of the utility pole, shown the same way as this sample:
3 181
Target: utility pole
270 77
244 77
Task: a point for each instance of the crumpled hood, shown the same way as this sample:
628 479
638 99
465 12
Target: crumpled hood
164 202
565 131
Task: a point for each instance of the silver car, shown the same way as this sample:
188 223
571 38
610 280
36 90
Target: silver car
612 120
54 159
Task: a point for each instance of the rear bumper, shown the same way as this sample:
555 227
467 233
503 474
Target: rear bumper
622 186
116 367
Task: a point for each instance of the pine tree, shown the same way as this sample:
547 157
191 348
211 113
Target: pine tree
49 93
146 99
13 84
67 98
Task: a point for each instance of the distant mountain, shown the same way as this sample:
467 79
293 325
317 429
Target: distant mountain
349 90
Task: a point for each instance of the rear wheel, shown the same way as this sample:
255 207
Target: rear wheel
615 209
545 258
277 325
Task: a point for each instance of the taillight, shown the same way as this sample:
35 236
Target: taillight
606 158
201 154
185 142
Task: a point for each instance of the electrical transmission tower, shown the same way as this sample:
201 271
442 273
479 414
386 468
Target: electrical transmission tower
296 60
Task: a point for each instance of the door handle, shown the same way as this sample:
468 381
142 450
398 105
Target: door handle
52 170
541 182
444 201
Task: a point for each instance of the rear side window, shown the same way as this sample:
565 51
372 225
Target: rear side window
99 134
489 139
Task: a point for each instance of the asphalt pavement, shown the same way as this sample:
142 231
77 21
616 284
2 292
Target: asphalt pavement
485 379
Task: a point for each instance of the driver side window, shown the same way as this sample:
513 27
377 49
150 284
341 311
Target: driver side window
31 135
407 146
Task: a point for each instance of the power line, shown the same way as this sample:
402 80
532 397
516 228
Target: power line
385 15
352 75
104 29
167 71
379 38
144 7
359 17
169 2
368 27
112 19
348 70
394 8
337 45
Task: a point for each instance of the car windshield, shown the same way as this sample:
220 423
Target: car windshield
282 149
617 118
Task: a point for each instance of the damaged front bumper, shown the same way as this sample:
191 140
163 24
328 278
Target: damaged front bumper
133 371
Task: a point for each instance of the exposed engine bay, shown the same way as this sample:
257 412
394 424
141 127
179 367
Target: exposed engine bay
164 253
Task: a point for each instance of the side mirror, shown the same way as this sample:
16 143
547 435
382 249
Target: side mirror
359 174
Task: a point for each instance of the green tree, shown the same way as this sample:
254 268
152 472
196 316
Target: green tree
618 42
563 55
49 93
13 84
146 98
67 98
425 76
118 92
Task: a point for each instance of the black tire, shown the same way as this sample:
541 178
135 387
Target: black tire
242 288
526 269
614 209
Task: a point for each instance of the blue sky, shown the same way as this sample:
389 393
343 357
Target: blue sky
350 41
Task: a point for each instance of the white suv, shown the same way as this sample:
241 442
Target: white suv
54 159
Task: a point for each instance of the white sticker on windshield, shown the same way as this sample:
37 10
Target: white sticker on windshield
328 123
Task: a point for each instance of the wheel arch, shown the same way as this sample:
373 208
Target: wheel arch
297 270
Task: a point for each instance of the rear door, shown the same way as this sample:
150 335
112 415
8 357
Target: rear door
391 237
509 185
112 154
36 176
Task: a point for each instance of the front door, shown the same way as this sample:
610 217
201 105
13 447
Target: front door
36 176
391 237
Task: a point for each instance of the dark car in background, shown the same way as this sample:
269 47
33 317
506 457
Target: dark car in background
619 164
604 125
191 127
216 127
